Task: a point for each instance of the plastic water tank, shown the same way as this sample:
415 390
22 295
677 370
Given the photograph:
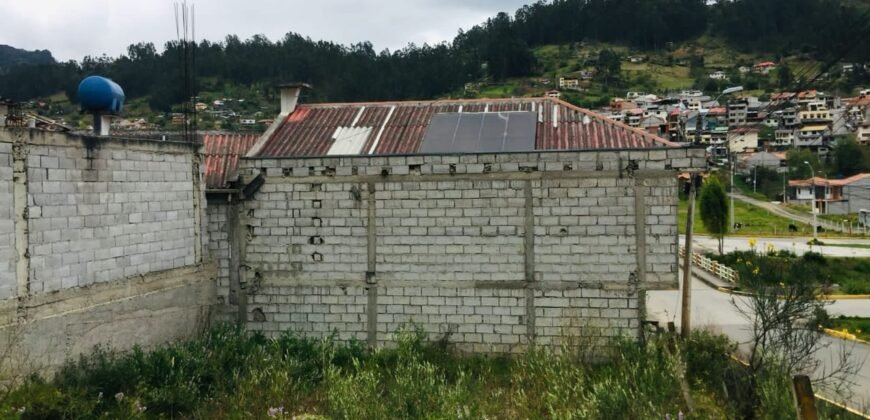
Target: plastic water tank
99 94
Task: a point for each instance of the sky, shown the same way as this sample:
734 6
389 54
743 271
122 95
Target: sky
72 29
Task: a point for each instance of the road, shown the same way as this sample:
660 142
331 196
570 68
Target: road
714 311
797 245
780 211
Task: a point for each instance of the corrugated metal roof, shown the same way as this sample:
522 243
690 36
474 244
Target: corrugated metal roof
222 153
399 127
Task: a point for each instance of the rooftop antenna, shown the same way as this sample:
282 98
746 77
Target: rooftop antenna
185 31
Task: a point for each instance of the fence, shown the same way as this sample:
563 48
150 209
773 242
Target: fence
713 267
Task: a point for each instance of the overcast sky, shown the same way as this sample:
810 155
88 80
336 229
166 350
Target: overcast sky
71 29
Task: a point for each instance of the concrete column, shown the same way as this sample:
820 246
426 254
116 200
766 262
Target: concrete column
640 193
371 273
234 240
198 206
529 254
19 197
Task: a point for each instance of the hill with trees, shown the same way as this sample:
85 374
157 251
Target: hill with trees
12 57
504 47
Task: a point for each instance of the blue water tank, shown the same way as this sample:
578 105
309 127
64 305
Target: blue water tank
99 94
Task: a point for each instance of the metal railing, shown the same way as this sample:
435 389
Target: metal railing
713 267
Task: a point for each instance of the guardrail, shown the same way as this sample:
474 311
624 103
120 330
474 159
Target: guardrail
713 267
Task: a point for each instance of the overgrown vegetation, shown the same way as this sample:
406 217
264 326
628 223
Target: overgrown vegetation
762 267
858 326
232 374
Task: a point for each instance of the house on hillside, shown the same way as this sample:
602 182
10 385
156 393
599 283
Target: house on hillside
718 75
858 109
764 67
743 139
833 196
569 83
747 162
863 133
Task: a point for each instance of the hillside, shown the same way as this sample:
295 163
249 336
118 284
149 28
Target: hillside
679 41
661 71
11 56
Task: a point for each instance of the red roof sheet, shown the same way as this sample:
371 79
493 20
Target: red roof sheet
399 127
222 153
820 182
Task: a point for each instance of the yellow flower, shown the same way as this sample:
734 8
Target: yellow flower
752 243
781 284
756 271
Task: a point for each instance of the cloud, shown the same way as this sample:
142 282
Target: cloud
72 29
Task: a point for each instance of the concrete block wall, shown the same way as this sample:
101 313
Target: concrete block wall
100 213
101 243
487 251
8 282
219 244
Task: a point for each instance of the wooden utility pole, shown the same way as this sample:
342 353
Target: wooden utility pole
805 399
686 313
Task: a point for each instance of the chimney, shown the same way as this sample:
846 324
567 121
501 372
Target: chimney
290 93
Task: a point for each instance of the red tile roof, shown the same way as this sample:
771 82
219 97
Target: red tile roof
821 182
222 153
399 127
860 101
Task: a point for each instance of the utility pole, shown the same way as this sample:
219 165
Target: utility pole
813 184
731 161
686 313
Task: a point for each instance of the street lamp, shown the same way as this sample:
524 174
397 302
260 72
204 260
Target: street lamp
813 183
729 91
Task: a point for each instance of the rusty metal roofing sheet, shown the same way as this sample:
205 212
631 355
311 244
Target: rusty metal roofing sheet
222 153
400 127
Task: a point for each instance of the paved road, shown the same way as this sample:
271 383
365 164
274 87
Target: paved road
781 211
714 310
797 245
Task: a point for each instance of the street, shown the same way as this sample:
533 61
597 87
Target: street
715 311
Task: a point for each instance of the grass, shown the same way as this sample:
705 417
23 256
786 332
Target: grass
746 189
852 325
850 275
755 221
229 374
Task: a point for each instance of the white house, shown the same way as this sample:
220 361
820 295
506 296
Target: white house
743 139
718 75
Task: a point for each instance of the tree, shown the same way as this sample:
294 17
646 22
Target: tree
608 69
848 157
784 76
797 169
714 209
785 315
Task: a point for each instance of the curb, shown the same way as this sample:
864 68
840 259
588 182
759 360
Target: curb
844 336
820 297
845 297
